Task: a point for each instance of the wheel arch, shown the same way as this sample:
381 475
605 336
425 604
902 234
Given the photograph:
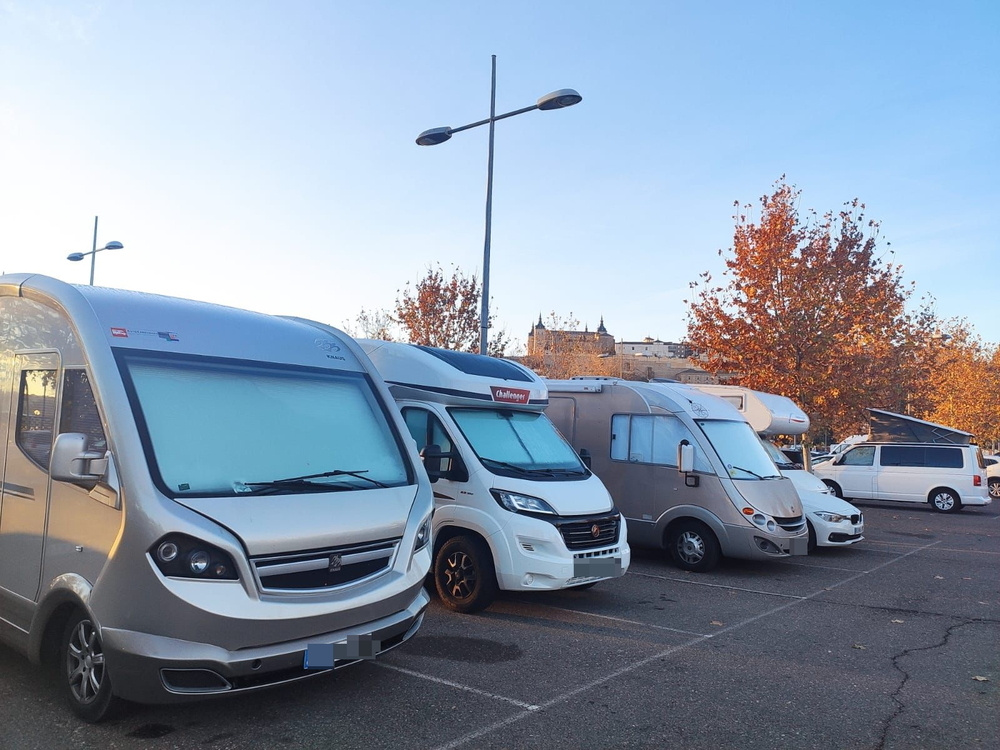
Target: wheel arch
66 594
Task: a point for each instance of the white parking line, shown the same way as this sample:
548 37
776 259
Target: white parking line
466 688
821 567
717 585
562 698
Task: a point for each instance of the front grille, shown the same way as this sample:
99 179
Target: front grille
791 524
838 537
317 570
856 518
580 534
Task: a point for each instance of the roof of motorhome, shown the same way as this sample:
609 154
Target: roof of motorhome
459 378
669 397
138 320
767 413
888 427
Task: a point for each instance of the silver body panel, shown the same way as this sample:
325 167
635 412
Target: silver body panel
88 546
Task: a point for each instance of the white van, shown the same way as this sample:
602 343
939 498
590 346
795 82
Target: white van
515 506
686 469
833 522
910 460
197 500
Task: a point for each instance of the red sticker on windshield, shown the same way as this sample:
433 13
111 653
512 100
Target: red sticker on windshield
510 395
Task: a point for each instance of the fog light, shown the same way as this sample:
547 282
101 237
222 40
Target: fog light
528 579
167 551
198 562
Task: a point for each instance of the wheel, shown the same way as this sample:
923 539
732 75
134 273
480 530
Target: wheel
835 487
944 501
82 673
994 484
812 536
464 575
693 546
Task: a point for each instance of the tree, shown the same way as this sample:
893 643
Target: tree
444 312
372 324
810 311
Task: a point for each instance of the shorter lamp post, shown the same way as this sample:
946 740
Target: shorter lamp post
93 253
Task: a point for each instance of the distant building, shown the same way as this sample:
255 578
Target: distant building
542 340
654 348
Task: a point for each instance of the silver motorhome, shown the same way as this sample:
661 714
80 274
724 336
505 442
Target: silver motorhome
684 467
197 500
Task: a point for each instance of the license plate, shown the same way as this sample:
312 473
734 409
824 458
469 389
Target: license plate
325 655
798 545
597 567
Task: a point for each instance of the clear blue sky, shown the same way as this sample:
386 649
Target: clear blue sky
261 154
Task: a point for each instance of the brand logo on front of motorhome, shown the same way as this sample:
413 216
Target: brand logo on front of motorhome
595 531
336 563
510 395
327 345
119 333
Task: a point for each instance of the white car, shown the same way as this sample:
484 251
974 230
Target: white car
993 475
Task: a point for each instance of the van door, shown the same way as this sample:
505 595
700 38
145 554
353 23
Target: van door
24 505
426 429
856 472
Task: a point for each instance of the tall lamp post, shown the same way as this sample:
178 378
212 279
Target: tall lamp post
93 253
434 136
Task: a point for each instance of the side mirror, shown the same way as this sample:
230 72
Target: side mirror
685 457
72 462
431 454
585 457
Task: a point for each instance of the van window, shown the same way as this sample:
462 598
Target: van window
651 439
214 427
921 455
36 415
79 410
426 429
861 456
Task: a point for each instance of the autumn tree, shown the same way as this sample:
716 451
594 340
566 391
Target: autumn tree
443 311
372 324
808 309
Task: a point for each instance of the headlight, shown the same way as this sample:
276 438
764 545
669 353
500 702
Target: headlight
764 521
182 556
830 517
517 503
423 535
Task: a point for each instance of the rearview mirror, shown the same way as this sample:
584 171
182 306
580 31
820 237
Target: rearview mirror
431 454
685 457
72 462
585 457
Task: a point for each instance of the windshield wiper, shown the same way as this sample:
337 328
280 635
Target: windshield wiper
284 486
512 467
303 481
754 473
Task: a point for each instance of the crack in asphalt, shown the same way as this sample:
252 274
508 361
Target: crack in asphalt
905 611
900 705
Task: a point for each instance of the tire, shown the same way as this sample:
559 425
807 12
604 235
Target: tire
693 546
835 487
83 677
464 574
944 501
812 537
994 483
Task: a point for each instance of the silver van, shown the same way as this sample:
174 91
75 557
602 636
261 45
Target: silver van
684 467
197 500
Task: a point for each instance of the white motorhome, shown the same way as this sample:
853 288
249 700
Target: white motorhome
684 467
832 521
197 500
515 507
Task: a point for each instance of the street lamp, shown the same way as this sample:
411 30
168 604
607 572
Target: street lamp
556 100
93 253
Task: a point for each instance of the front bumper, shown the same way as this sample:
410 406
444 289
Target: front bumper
840 534
751 543
156 669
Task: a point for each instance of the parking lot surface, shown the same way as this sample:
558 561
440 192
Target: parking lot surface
893 643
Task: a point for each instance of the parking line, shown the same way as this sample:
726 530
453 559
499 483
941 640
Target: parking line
717 586
821 567
466 688
662 655
622 619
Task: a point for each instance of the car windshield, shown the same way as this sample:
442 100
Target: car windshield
516 443
222 427
780 459
739 448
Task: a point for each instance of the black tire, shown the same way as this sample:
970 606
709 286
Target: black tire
464 574
83 677
994 484
812 537
944 501
693 546
835 487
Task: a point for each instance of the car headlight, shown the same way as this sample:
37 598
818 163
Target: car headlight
765 522
518 503
423 535
830 517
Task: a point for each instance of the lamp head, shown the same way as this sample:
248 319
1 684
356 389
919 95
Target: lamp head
74 256
559 99
113 246
434 136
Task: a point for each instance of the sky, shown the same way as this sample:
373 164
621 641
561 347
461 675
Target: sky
262 154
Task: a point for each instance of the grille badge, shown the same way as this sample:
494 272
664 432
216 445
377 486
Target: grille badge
335 563
595 531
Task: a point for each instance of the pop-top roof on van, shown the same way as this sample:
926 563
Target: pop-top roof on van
887 427
456 378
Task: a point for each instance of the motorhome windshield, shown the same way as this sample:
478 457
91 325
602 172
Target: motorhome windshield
739 448
215 427
516 443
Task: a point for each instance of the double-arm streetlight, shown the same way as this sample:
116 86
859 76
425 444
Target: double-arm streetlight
93 253
434 136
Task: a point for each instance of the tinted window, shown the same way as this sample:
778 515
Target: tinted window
36 414
921 456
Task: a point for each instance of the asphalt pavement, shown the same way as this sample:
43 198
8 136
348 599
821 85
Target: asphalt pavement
892 643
